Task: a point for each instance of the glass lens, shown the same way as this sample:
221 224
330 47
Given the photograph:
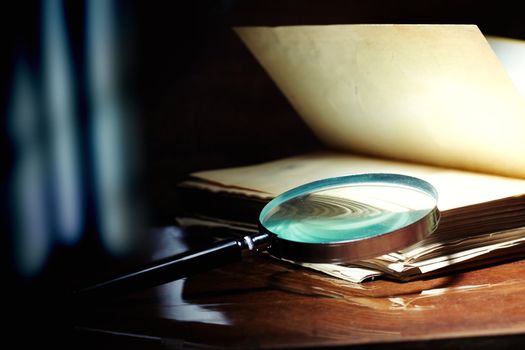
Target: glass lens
348 208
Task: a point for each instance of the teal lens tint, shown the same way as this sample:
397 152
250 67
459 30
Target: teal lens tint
349 208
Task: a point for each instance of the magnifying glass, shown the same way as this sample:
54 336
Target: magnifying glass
335 220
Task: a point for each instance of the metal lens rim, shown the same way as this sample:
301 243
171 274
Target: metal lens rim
364 248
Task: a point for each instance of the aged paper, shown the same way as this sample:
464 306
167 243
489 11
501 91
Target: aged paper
434 94
267 180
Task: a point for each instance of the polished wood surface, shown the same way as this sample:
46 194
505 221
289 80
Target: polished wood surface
265 303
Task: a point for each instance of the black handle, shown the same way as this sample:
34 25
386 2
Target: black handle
176 267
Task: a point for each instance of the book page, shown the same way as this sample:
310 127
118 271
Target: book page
455 188
511 54
434 94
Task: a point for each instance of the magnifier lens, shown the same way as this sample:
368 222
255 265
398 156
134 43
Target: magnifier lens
354 208
348 213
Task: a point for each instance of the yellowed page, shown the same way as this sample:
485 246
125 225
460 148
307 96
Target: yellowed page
433 94
455 188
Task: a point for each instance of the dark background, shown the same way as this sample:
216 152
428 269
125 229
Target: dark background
198 97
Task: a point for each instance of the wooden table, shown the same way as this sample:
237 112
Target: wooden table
264 303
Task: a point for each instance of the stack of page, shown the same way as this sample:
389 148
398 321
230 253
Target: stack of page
438 102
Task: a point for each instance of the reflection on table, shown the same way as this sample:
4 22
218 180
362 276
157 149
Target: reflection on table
262 302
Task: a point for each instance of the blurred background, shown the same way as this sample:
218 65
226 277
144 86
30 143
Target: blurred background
107 104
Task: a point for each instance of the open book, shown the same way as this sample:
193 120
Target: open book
439 102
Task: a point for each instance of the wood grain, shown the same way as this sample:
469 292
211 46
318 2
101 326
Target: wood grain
265 303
